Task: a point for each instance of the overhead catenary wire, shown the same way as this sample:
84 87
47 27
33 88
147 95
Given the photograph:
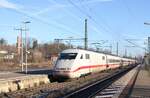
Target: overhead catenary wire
39 19
135 45
89 16
70 12
102 19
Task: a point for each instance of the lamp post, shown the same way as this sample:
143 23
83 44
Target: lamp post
26 45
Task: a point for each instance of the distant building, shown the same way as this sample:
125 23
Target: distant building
9 56
6 55
3 52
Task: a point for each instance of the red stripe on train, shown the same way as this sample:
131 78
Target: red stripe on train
92 66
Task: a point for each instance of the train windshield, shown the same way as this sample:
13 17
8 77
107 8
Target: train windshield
68 55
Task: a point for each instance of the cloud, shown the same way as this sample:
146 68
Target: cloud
51 8
60 6
7 4
54 6
19 9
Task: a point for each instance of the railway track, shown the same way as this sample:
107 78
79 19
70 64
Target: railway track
55 90
103 87
52 89
121 88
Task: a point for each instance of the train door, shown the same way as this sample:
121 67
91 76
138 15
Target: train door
103 62
85 64
107 65
87 57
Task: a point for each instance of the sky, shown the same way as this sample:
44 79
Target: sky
109 20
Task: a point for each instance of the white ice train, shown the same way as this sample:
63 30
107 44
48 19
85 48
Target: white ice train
74 63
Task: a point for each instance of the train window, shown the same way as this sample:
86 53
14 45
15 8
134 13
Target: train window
103 57
87 56
113 60
81 56
67 55
110 60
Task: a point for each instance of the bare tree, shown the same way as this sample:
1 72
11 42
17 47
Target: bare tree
35 44
3 43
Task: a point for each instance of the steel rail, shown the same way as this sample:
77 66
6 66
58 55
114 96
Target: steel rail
92 89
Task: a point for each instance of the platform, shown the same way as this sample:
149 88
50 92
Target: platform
141 88
12 81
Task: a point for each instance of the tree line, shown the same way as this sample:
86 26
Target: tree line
38 52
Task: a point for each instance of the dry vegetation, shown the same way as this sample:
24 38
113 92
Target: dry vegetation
40 55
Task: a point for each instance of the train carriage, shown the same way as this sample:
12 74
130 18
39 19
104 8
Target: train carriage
74 63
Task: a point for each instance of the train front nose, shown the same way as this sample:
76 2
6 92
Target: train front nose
63 69
64 65
61 74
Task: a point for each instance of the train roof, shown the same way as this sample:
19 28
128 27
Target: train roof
75 50
71 50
